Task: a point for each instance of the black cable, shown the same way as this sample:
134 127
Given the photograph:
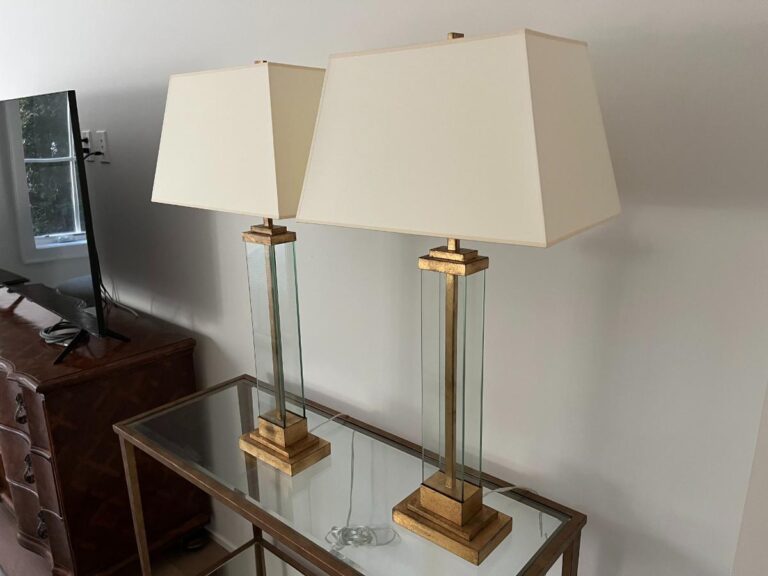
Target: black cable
107 300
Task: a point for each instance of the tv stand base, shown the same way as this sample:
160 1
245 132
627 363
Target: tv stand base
81 338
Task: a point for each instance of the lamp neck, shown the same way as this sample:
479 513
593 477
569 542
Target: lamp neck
454 244
268 223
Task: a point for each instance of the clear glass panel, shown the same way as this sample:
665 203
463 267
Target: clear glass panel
276 329
355 488
45 126
472 340
51 198
443 433
432 370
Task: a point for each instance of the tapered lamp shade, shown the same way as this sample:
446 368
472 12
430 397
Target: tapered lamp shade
237 140
496 139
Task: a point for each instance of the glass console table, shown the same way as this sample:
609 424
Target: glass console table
336 517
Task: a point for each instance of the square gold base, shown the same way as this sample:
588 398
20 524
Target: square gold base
291 449
284 432
473 540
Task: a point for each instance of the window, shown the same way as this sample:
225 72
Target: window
50 217
51 170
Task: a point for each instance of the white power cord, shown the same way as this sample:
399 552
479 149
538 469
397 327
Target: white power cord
331 419
355 535
520 489
60 333
109 300
340 537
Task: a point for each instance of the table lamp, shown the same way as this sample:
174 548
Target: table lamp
237 140
493 139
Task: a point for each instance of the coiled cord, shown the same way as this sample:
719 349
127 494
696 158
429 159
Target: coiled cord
60 333
340 537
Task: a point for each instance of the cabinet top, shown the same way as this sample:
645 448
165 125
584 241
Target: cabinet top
25 358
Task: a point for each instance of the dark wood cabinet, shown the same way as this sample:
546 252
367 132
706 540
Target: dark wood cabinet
61 470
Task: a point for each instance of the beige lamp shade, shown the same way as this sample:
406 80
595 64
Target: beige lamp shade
495 139
237 140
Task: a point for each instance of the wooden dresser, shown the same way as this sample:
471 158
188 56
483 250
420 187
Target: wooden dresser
60 464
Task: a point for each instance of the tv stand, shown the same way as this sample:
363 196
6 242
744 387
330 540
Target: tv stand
8 278
81 338
67 308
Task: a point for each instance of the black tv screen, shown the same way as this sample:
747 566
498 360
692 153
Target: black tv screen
47 247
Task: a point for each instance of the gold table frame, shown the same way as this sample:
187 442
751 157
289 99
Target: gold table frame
290 546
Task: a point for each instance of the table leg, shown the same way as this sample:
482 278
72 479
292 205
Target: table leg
571 558
247 423
134 495
261 567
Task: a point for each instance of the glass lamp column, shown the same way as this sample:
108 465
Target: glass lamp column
282 439
448 507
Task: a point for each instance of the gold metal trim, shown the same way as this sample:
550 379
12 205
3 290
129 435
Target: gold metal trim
255 236
295 428
473 541
451 337
458 506
445 509
282 439
455 268
466 531
314 450
269 234
460 255
290 449
454 260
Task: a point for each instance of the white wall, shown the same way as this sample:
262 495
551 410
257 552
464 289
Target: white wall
625 368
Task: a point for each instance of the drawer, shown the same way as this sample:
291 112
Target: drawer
40 531
52 527
46 485
13 412
22 409
28 522
28 468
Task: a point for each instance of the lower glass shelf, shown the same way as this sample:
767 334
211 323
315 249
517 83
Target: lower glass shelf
240 562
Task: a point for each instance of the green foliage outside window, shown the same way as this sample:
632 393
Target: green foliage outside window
46 134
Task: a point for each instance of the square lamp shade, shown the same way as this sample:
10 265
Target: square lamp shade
496 139
237 140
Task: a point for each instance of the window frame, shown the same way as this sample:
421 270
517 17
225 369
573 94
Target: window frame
49 249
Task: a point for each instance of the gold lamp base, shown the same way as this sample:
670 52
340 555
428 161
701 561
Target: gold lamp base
468 529
291 449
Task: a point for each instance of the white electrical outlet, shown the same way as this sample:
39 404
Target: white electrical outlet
87 140
102 145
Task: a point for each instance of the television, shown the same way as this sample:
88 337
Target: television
47 246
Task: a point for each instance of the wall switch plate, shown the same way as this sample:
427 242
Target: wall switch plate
101 144
87 141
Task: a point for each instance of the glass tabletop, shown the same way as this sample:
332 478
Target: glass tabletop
344 502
